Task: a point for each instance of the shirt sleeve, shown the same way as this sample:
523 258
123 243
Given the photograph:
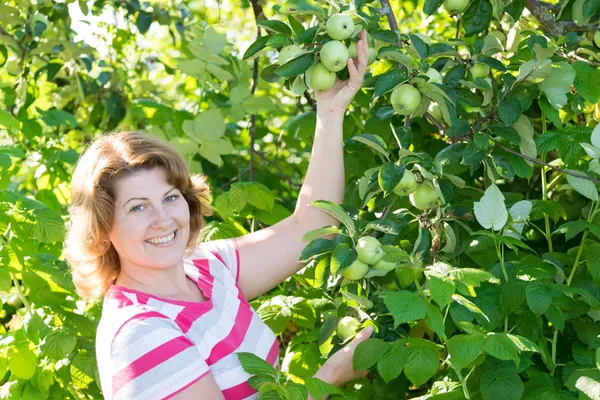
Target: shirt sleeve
222 251
150 358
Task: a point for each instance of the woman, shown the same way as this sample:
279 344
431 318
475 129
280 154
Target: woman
175 312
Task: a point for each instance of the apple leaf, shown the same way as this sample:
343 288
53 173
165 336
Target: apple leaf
337 212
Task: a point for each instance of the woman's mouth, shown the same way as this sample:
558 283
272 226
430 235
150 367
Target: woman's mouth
163 241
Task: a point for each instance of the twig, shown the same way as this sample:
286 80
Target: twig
575 56
543 12
235 178
387 11
535 160
434 121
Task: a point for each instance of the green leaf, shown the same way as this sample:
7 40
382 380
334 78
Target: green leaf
490 211
477 17
389 176
303 7
583 186
510 110
368 353
539 297
592 260
405 306
8 121
586 81
422 362
501 384
524 127
255 365
441 289
587 381
555 315
464 349
373 141
469 305
317 233
558 84
471 276
58 344
337 212
392 363
388 81
296 66
342 257
22 362
512 295
501 346
49 226
275 26
434 320
258 195
317 247
258 45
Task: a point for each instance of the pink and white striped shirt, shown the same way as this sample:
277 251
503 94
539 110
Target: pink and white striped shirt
153 348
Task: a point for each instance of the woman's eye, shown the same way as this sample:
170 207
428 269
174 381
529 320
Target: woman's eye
173 197
136 208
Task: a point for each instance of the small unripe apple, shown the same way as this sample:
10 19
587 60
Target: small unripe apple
456 6
435 111
288 52
597 38
369 250
407 184
13 68
424 197
405 99
347 327
479 70
355 271
384 266
320 78
334 55
434 75
340 26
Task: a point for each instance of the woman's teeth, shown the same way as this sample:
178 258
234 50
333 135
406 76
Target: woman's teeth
165 239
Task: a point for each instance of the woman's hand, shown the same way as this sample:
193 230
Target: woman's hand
338 369
338 98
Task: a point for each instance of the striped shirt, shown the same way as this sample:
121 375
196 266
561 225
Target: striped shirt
149 347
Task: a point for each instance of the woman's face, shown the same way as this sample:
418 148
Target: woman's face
151 222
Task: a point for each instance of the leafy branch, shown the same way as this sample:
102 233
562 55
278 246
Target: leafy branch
543 12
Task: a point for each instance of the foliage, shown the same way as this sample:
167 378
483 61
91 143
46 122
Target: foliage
494 288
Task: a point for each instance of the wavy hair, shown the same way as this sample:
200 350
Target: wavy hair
93 260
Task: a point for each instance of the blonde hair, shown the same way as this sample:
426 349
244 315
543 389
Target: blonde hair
93 260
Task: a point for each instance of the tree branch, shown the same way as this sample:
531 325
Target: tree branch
274 164
545 13
535 160
387 11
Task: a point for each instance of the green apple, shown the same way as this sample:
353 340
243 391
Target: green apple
369 250
347 327
320 78
434 75
424 197
479 70
12 67
339 26
597 38
334 55
435 111
288 52
372 56
384 266
352 51
456 6
405 99
356 270
407 184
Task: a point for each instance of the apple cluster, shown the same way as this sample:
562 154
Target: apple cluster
334 55
422 196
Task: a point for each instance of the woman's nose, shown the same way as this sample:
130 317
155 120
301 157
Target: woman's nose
162 219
